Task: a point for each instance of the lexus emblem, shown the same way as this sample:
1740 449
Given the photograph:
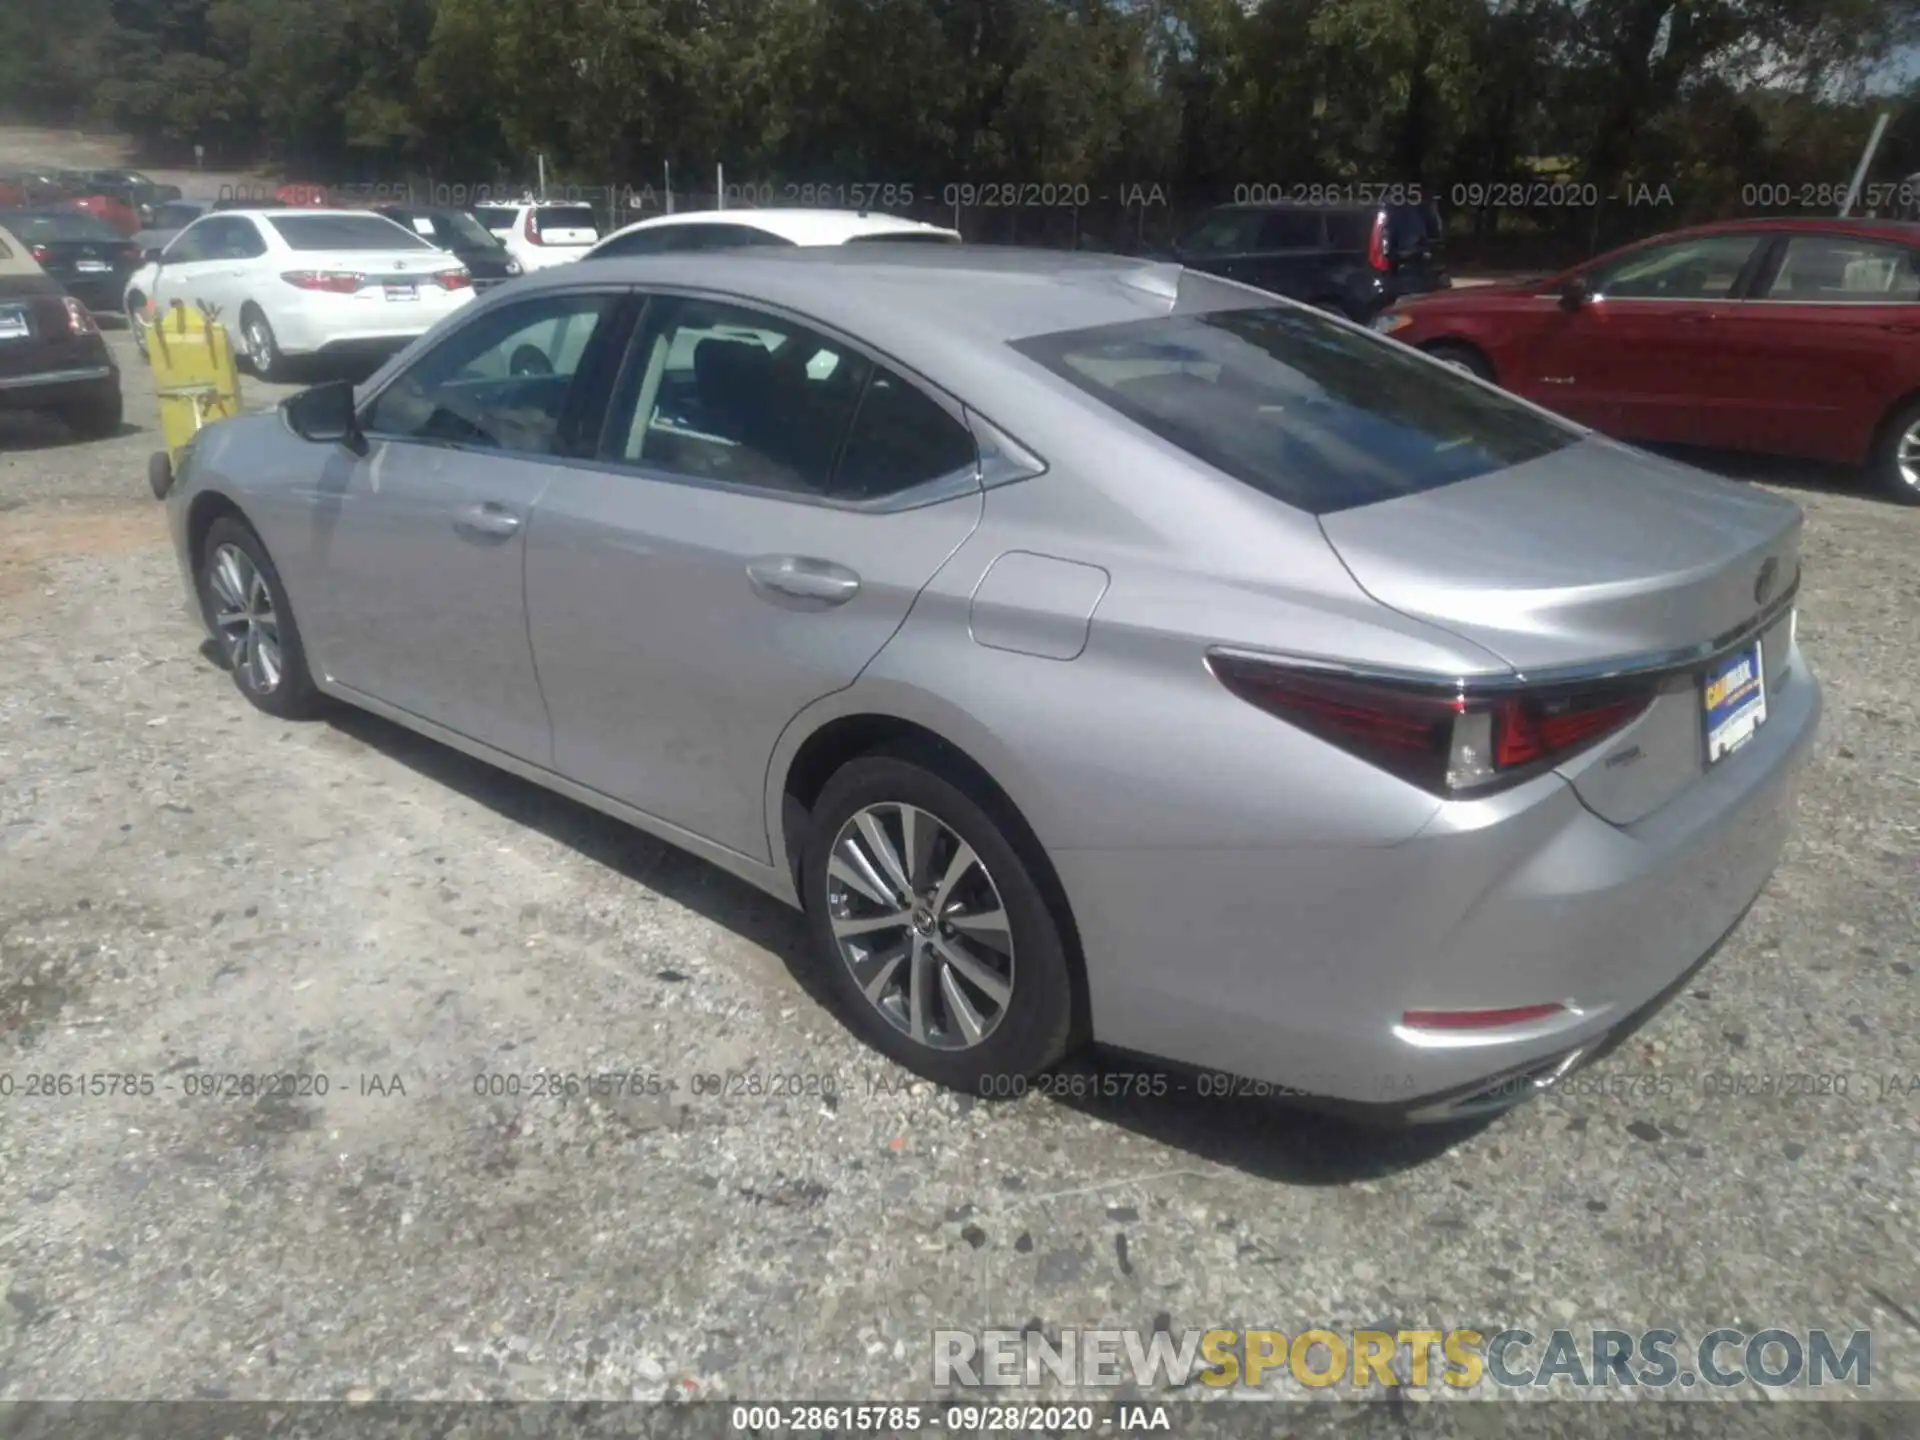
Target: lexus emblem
401 265
1763 583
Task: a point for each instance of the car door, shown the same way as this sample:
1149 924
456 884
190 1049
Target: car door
721 570
421 541
1645 356
1830 340
234 274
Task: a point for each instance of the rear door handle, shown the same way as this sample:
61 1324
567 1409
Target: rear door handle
487 524
800 583
1698 317
1901 329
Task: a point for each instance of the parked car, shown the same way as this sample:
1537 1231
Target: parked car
87 257
168 220
140 191
1351 260
1793 337
540 233
730 229
52 355
906 584
117 212
458 233
302 282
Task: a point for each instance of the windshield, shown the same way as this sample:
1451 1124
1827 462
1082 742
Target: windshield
495 217
454 227
37 227
1314 413
344 232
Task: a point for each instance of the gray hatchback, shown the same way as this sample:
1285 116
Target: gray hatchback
1094 649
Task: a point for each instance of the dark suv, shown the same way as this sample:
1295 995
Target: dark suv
1354 260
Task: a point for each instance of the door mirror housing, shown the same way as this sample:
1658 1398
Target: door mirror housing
325 416
1574 293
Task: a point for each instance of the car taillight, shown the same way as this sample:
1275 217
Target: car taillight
79 319
1377 244
132 254
1450 740
532 228
40 253
455 279
333 282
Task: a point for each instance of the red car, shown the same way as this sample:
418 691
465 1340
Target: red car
1790 337
117 213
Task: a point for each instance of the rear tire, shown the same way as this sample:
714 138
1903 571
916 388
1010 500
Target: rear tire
257 342
247 612
98 417
136 303
1463 357
1895 466
980 995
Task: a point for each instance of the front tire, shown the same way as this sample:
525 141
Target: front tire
932 930
1463 357
260 346
249 617
1896 463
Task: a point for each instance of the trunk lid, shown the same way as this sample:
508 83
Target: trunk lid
1597 553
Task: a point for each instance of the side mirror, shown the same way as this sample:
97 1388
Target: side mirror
324 415
1574 294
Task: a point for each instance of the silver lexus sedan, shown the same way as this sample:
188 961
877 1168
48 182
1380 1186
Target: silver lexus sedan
1094 650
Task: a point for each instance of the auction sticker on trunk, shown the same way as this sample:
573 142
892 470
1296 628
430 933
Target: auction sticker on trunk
1735 699
13 323
403 292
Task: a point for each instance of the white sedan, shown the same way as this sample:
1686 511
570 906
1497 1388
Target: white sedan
303 282
735 229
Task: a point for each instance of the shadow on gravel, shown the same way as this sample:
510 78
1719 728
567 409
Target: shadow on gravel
1261 1137
26 430
1788 474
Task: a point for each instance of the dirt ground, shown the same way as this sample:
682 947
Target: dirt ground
190 890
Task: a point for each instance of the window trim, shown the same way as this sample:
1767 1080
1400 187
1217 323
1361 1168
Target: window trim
939 489
618 316
1777 259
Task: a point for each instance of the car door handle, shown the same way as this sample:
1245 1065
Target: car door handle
487 524
800 583
1699 317
1901 329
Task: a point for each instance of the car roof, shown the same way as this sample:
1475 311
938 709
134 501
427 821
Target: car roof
801 226
1904 232
18 260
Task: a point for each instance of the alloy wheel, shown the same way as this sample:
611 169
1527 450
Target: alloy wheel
259 347
921 925
1906 456
245 619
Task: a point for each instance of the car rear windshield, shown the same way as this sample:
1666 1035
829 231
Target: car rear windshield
35 228
1314 413
565 217
344 232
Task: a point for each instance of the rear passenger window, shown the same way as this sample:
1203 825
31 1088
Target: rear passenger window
900 439
721 393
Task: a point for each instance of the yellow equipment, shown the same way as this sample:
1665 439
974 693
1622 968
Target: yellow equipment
194 375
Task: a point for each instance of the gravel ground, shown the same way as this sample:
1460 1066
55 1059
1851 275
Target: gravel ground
188 887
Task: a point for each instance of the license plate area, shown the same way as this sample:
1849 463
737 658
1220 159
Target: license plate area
1733 700
13 323
403 292
92 267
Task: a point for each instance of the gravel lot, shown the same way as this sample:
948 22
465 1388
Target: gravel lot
188 887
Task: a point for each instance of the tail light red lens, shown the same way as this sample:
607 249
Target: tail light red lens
1478 1019
79 318
40 253
132 254
532 228
1377 244
1450 741
455 280
332 282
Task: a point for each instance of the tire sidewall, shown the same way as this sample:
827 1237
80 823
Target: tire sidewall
295 697
1463 358
270 365
1034 1033
1886 466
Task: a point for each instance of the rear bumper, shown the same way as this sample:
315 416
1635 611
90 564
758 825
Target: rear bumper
1293 968
313 324
54 388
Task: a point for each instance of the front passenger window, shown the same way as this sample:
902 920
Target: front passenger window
498 383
